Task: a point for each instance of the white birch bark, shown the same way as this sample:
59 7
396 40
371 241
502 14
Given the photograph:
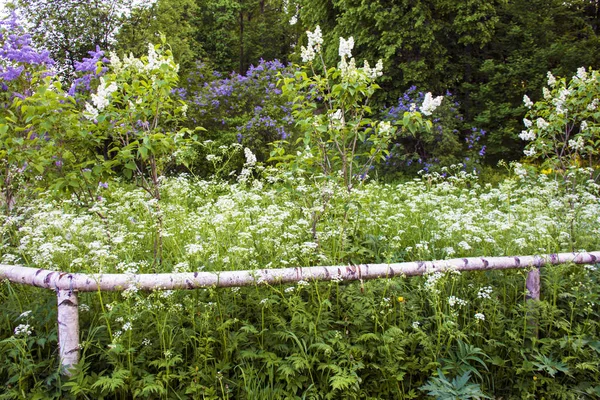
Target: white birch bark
68 330
194 280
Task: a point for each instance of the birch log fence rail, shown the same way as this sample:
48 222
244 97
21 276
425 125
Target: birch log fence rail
67 284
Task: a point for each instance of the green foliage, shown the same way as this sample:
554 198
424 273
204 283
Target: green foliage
69 29
332 109
377 339
563 128
459 388
173 19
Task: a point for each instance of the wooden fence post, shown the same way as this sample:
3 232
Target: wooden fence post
533 296
68 330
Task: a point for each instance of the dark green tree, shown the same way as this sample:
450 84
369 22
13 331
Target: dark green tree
69 29
173 18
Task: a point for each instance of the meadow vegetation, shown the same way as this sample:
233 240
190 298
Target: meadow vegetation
123 173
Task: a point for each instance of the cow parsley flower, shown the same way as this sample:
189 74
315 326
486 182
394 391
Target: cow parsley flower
23 329
480 317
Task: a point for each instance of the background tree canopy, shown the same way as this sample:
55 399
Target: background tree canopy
487 53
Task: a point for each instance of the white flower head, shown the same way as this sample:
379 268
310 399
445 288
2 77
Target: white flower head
250 157
480 317
529 152
430 104
527 123
315 39
551 79
23 329
307 54
547 93
541 123
576 144
581 73
527 135
346 47
527 101
294 20
584 126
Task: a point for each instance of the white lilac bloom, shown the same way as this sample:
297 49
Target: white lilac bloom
294 20
430 104
346 47
551 79
373 72
527 101
576 144
250 157
560 101
593 105
307 54
529 152
315 39
102 95
527 123
527 135
581 73
385 127
541 123
584 126
547 93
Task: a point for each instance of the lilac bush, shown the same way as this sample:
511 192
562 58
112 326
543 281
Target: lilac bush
450 141
247 109
24 71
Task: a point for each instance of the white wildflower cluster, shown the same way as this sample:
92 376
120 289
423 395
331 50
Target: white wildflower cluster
416 324
23 329
315 40
453 301
485 292
430 104
432 280
250 157
480 317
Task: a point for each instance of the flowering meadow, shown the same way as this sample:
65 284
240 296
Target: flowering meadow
123 171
